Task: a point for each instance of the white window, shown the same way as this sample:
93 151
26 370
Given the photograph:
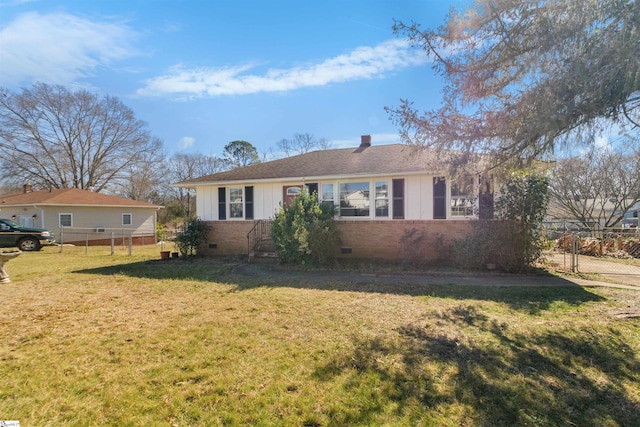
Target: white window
382 199
461 200
354 199
65 220
327 193
235 203
126 219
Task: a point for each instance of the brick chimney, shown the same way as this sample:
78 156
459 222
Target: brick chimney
365 141
27 188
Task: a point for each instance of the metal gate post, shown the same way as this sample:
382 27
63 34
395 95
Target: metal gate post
574 252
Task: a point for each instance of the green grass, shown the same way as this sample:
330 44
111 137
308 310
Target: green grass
94 339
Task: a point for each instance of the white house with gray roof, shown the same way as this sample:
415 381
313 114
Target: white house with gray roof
369 185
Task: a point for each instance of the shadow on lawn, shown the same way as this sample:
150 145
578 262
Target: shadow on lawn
529 298
546 377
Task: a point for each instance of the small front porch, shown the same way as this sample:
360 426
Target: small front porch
260 246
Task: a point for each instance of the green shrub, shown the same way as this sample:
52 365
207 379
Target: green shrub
513 241
305 231
161 232
523 202
193 234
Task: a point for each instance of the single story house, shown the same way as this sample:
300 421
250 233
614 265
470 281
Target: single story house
631 217
77 216
601 210
380 194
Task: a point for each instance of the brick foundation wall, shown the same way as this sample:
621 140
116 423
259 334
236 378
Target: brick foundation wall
382 239
360 239
227 238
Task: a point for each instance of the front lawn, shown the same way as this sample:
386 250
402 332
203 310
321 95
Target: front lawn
94 339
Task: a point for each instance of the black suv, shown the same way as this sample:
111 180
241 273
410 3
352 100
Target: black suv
24 238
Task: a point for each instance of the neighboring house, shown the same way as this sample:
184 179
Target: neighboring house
602 211
380 193
631 217
79 216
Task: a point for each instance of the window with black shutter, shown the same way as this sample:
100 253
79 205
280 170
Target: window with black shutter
313 188
248 202
398 198
222 203
439 198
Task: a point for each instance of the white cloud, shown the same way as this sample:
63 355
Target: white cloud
60 48
186 142
15 2
361 63
602 142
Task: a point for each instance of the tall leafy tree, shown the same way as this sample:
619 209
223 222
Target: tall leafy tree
241 153
56 138
522 78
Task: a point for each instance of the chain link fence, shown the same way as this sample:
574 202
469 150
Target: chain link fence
580 249
116 238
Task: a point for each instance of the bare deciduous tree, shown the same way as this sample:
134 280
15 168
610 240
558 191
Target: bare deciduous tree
596 187
55 138
182 167
147 180
302 143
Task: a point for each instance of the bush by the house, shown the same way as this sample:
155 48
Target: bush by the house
305 231
513 241
193 234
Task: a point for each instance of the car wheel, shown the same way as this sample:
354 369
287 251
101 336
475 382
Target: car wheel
28 244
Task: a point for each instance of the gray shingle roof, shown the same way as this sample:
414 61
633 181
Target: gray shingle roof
372 160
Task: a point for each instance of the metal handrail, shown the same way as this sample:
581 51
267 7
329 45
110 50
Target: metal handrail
261 228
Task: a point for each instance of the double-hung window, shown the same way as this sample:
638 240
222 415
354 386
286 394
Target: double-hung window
239 201
382 199
461 200
326 196
126 219
236 203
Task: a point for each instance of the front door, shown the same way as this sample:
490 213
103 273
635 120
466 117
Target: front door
289 192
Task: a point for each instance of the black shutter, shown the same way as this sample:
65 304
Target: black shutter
439 198
398 198
222 203
248 202
485 209
313 188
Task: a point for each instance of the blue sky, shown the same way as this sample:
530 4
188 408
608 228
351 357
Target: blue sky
204 73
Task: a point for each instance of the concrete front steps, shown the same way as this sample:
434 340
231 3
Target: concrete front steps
264 252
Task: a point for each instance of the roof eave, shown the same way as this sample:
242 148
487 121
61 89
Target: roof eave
301 178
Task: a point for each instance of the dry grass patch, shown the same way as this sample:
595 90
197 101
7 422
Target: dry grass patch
93 339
